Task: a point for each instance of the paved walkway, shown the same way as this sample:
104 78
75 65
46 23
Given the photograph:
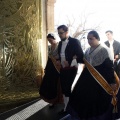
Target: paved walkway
35 110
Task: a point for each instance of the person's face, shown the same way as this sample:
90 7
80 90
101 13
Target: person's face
62 34
109 35
51 41
93 42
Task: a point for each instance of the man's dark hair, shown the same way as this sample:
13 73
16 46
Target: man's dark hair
64 27
95 34
110 31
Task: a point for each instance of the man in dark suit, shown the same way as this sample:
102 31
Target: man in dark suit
115 45
68 49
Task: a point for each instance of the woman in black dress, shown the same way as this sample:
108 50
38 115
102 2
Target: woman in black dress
50 89
89 101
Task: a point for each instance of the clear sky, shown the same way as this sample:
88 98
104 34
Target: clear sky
102 13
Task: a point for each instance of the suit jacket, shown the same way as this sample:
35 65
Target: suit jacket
116 47
73 48
67 75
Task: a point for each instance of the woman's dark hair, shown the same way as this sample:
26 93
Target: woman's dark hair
51 35
64 27
95 34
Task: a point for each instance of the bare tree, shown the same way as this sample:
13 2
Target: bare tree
78 26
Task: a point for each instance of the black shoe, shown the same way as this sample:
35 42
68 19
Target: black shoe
62 112
51 106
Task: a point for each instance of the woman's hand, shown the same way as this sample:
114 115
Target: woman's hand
114 86
58 63
66 64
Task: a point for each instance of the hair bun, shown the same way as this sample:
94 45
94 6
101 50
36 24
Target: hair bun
51 35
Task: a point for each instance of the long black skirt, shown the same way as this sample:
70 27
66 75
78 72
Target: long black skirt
88 98
50 89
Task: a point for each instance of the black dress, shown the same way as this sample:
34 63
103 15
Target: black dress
89 99
50 89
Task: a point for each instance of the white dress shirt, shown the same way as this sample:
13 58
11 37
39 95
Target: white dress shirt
62 53
111 47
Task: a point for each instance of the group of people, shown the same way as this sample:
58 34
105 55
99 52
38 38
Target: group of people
86 83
